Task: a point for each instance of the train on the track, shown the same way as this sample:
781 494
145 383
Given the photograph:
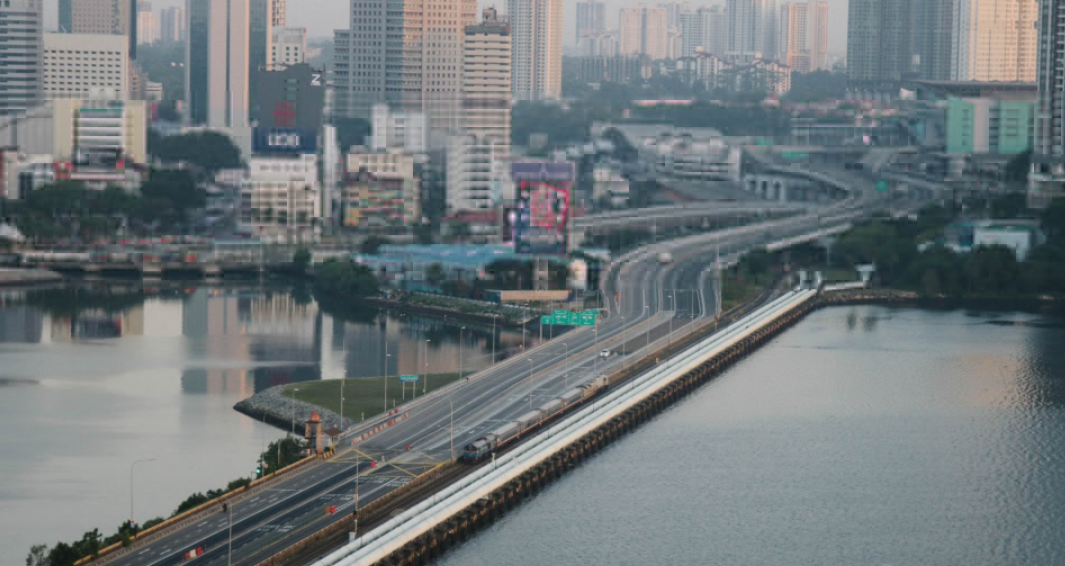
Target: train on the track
500 437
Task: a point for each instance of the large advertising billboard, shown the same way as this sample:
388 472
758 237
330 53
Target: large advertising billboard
542 211
284 141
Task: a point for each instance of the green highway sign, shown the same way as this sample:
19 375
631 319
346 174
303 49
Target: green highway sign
570 318
881 185
408 378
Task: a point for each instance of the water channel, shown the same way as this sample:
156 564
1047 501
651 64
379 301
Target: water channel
96 376
862 436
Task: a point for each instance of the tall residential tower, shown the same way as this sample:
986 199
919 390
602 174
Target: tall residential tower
1047 178
21 45
537 31
216 63
645 31
994 40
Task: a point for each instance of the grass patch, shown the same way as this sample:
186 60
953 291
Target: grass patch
736 290
364 397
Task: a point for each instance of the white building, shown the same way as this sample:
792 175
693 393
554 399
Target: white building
21 28
994 40
1017 235
405 131
280 197
537 31
77 64
147 25
476 173
289 46
703 30
216 63
645 31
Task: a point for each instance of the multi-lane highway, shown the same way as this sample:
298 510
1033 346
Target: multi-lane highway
645 298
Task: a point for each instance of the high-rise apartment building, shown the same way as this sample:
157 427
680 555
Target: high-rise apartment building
478 156
288 46
21 31
79 65
147 26
409 58
216 63
264 16
752 30
591 19
118 17
645 31
172 24
932 31
803 38
1046 180
704 30
536 26
673 12
879 44
994 40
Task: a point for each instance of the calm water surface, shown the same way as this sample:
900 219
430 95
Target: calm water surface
863 436
95 377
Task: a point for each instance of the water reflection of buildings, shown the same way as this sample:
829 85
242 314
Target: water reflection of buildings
19 323
271 331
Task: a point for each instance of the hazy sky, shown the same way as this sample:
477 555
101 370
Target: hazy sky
321 17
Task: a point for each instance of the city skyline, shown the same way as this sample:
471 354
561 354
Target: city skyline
323 19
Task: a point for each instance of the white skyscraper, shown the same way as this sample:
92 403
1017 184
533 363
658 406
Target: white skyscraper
147 26
21 30
994 40
537 43
704 29
478 157
645 31
216 63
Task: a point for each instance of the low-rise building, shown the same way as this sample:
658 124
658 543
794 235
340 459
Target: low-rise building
989 126
380 191
77 64
397 130
280 197
1017 235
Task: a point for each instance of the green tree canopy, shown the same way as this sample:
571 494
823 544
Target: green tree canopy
210 151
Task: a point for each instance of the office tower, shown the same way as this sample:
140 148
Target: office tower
21 30
216 63
591 19
288 46
172 24
879 48
994 40
1046 180
704 30
644 31
77 65
147 26
478 156
117 17
536 26
264 16
409 58
752 29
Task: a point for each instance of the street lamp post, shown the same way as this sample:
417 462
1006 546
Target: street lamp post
494 339
531 365
647 333
452 403
460 351
294 391
425 384
385 373
565 370
131 468
342 427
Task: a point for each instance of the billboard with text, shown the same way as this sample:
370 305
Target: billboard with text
284 141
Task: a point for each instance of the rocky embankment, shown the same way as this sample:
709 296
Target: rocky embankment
277 409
